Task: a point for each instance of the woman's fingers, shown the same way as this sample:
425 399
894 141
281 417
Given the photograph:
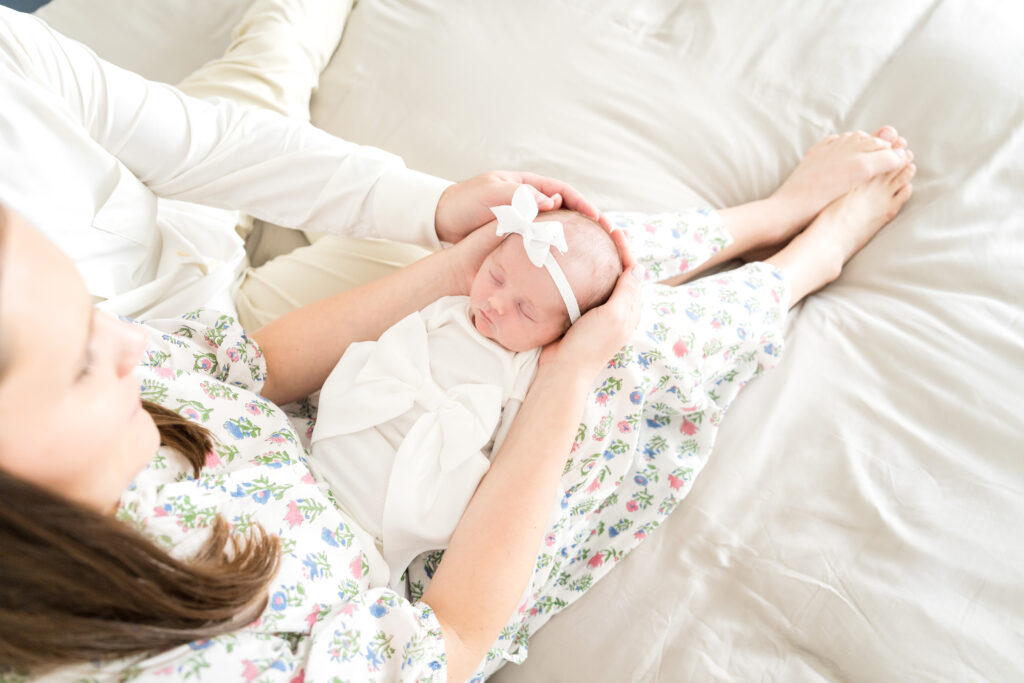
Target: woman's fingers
570 198
602 331
622 244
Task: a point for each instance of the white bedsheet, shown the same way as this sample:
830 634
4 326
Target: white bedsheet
860 518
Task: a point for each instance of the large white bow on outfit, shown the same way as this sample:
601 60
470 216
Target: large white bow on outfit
439 463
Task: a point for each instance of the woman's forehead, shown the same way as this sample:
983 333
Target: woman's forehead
43 300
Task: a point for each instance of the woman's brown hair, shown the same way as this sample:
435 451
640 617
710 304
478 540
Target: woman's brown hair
77 585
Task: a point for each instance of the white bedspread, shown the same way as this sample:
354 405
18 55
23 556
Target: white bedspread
861 516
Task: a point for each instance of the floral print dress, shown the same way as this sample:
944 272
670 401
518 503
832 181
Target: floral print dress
648 428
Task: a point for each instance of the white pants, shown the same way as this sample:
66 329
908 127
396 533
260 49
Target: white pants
277 52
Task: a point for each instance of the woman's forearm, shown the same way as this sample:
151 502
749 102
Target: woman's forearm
492 553
302 347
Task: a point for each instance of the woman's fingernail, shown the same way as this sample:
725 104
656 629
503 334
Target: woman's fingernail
638 272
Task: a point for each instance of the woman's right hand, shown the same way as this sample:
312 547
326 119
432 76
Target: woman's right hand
602 331
468 254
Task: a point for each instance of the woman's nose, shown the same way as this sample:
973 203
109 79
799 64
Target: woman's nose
128 342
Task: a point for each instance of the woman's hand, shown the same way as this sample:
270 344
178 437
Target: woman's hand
466 206
602 331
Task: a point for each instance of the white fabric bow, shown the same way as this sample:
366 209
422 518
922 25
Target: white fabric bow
538 239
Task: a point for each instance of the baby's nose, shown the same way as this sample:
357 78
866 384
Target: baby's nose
497 304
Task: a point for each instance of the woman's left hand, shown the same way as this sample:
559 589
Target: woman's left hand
464 207
602 331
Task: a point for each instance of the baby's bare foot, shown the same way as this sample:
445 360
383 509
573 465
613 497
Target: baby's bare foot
833 167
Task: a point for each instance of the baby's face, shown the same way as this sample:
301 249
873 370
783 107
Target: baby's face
514 302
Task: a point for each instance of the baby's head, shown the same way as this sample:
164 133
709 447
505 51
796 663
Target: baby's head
517 304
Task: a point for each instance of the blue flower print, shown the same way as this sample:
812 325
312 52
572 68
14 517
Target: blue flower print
278 601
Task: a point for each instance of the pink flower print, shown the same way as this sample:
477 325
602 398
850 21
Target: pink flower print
349 609
716 323
294 517
166 671
650 228
549 539
594 485
311 617
299 677
640 535
679 348
775 295
249 670
632 505
276 438
164 373
624 427
675 482
698 238
601 398
688 428
205 364
212 459
233 355
307 478
162 510
684 265
596 561
253 408
356 566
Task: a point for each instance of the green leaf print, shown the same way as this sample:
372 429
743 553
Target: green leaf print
344 645
311 509
196 410
215 389
226 452
194 666
184 331
153 391
205 362
379 650
242 428
548 603
156 358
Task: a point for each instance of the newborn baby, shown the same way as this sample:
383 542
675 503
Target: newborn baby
406 424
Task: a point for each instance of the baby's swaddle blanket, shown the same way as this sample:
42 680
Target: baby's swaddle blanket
406 425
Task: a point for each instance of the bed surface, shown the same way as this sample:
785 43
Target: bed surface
860 517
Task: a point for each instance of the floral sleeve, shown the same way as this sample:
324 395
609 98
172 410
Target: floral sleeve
206 342
669 244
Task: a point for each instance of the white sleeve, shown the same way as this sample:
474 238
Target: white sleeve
223 154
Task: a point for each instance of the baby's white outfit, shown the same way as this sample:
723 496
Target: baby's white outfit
406 425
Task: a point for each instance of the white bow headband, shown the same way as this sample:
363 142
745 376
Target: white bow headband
538 238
